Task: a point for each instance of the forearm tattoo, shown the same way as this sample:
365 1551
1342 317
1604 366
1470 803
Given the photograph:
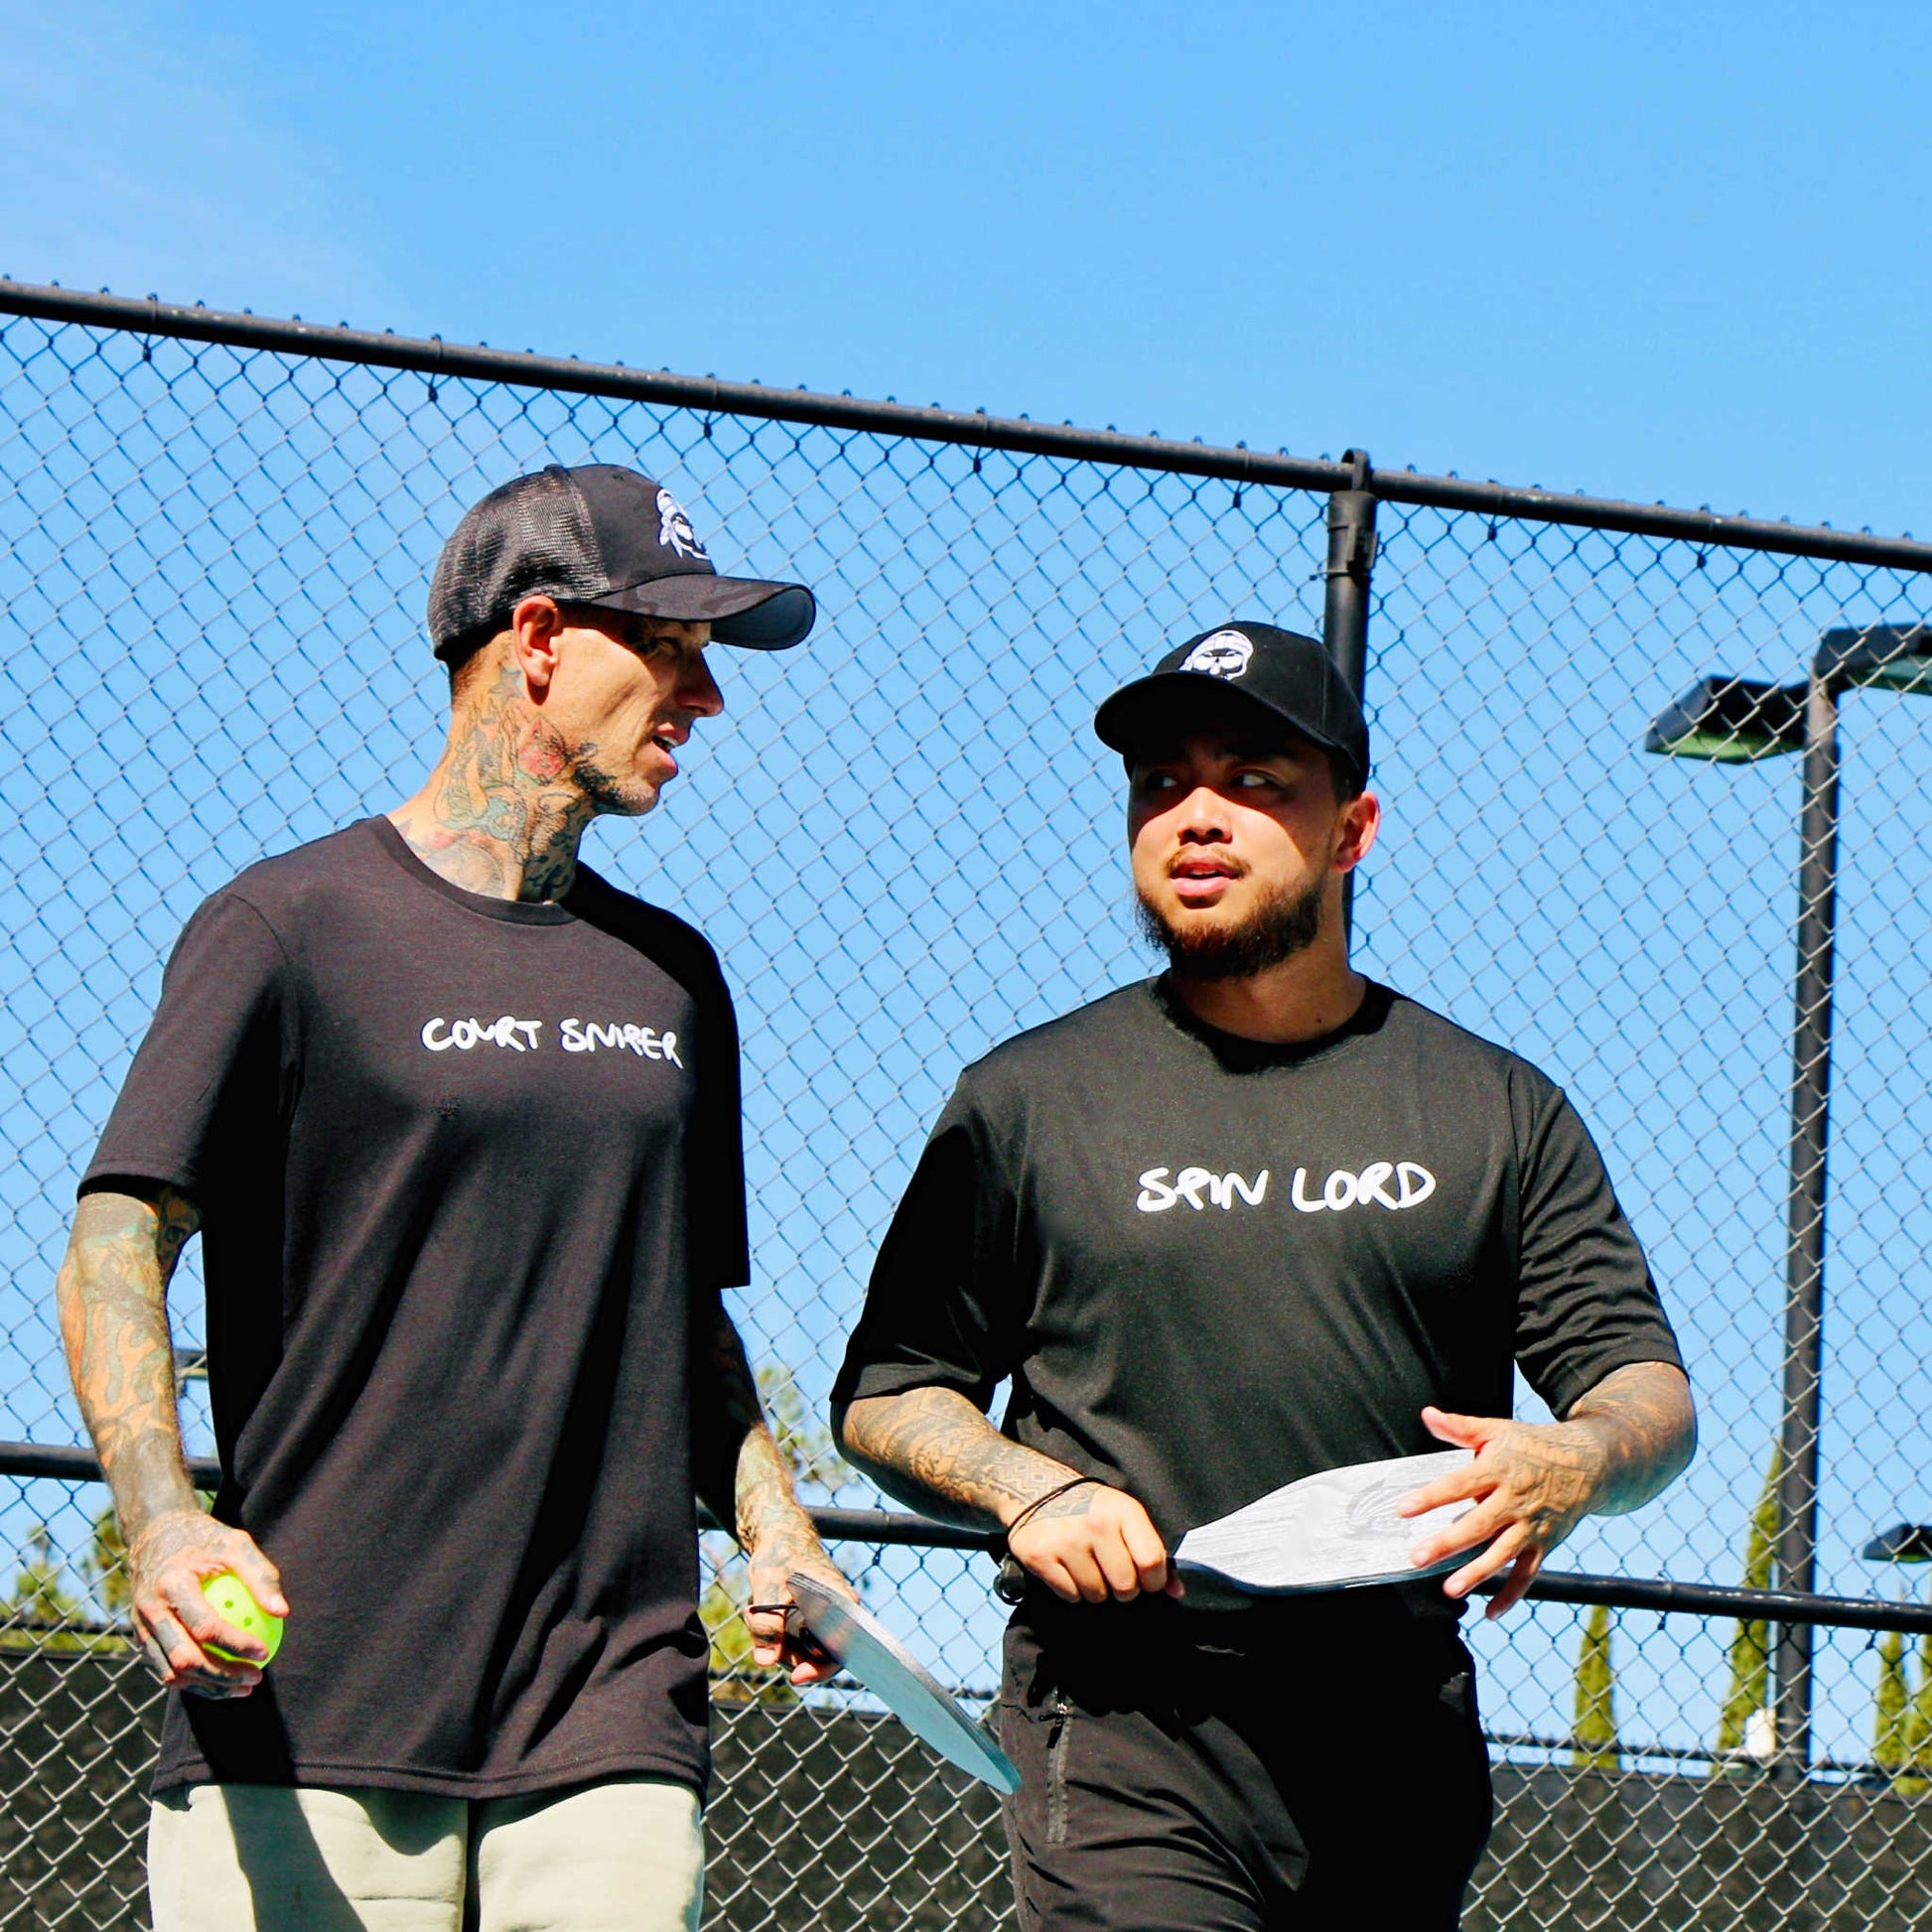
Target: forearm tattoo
1645 1426
112 1294
933 1449
741 1476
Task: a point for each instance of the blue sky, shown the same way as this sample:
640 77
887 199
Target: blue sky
1649 251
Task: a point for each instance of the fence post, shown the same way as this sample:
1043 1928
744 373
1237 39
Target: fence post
1804 1314
1345 616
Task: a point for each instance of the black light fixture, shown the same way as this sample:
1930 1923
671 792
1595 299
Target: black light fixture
1883 658
1737 721
1731 721
1902 1543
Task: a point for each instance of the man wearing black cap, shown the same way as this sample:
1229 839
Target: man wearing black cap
1252 1220
459 1124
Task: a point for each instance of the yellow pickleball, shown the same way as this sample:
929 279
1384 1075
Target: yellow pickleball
233 1599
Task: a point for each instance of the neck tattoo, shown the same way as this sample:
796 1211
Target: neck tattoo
504 809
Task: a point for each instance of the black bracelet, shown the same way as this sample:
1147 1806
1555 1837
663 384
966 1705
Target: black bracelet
1039 1503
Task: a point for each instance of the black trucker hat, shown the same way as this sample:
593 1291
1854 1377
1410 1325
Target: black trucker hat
1289 679
601 535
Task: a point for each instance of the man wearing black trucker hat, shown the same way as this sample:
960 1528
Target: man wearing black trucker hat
1254 1219
459 1124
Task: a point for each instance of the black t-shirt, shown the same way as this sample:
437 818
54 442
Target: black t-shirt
1211 1267
470 1175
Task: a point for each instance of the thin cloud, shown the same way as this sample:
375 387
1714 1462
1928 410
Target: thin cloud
138 165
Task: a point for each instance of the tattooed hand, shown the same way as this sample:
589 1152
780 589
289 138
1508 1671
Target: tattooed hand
773 1560
1533 1482
745 1481
175 1553
1094 1542
112 1294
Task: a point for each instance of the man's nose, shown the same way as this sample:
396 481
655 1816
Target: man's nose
1203 815
698 691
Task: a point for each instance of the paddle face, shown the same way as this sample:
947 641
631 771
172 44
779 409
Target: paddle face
1334 1531
849 1632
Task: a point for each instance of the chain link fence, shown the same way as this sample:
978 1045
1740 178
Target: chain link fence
216 536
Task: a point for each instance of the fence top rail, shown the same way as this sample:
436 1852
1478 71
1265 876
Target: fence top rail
974 429
73 1464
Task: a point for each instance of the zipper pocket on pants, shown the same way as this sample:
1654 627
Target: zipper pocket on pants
1057 1741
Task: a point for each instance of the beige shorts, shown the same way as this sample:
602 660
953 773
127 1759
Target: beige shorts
626 1854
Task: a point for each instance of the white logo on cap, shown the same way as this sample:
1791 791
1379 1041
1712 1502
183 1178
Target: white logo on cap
1225 654
674 529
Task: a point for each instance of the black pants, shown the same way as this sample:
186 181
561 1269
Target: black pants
1309 1762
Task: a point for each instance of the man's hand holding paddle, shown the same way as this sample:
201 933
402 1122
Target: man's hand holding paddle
1088 1542
935 1451
1533 1482
788 1551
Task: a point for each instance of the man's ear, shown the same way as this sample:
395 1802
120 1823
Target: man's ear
1361 820
536 627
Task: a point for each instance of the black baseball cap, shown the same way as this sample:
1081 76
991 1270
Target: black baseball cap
1287 678
602 535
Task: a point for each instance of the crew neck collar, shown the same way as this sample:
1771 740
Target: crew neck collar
1236 1050
514 911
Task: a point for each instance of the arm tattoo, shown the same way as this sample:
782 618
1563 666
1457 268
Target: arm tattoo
112 1292
741 1475
1643 1418
935 1450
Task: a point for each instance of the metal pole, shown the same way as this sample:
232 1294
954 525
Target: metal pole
1345 616
1804 1307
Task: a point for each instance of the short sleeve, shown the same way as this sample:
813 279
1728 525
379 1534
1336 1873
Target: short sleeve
720 1241
1586 1303
944 1308
207 1076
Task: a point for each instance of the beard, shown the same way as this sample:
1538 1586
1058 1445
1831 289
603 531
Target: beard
1281 926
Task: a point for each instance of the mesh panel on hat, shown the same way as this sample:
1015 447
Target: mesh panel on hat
532 535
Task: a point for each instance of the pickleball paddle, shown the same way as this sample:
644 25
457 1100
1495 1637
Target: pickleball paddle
1334 1531
849 1633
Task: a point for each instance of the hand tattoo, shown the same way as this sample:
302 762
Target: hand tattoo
1532 1483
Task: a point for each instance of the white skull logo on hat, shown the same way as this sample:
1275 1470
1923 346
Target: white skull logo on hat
1225 654
674 529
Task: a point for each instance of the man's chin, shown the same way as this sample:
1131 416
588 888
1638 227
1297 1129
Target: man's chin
1233 941
1207 922
1192 928
1212 956
629 800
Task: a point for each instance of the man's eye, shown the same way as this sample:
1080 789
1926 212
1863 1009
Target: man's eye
1254 780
